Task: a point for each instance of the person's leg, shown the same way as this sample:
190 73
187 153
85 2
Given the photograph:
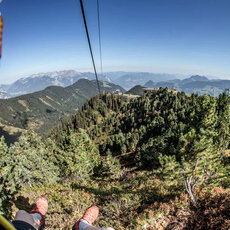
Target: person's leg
40 211
37 216
36 220
24 220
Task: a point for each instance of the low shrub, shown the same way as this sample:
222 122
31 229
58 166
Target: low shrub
213 210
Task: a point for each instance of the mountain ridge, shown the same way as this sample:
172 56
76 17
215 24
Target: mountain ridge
194 84
43 109
39 81
65 78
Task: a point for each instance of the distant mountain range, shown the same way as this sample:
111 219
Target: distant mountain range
129 79
194 84
65 78
44 109
40 81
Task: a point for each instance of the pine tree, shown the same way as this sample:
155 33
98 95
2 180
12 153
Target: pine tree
24 164
77 157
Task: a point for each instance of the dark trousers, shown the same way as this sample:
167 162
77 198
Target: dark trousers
26 221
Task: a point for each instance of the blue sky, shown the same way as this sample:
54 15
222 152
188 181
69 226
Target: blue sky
160 36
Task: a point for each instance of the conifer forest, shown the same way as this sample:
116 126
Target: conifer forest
158 161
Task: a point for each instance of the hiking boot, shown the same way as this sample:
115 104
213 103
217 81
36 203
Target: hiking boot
41 206
89 216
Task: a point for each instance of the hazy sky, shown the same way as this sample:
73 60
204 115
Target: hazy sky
167 36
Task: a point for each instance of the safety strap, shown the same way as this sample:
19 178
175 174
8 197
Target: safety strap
6 224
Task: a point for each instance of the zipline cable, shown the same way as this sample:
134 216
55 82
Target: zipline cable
91 52
99 33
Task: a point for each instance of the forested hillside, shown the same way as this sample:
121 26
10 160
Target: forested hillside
44 109
160 161
136 90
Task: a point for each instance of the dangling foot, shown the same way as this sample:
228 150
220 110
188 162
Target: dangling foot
88 218
41 208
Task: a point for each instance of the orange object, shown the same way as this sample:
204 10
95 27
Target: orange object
1 26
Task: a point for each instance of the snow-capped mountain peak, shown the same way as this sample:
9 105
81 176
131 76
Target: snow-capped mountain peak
40 81
3 94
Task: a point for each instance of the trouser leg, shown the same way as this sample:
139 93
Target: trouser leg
23 216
